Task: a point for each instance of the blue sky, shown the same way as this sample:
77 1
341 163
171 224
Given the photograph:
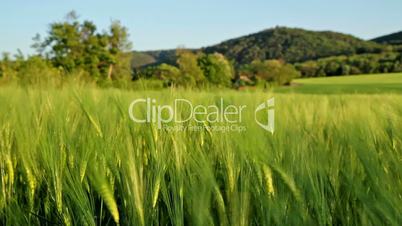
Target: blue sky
163 24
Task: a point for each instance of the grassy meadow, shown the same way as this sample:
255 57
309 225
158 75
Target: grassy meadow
74 157
367 84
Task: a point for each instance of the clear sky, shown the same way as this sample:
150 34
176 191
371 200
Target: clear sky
163 24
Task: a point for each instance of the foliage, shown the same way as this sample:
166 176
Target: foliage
352 65
272 71
168 73
73 45
7 71
217 69
37 71
192 70
292 45
31 71
191 73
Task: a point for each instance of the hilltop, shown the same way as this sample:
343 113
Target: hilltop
292 45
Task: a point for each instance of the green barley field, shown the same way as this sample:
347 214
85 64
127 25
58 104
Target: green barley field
73 156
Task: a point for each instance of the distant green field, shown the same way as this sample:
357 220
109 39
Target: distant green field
377 83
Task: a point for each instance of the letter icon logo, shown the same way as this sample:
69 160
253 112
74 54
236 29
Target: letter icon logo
268 112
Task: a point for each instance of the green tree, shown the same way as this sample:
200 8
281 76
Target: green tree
73 46
217 69
37 71
168 73
120 51
7 70
274 71
333 68
191 73
286 74
292 45
308 69
64 43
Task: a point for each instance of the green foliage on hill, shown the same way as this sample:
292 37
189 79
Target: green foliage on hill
292 45
392 39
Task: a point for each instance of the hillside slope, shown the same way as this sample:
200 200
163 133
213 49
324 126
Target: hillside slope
392 39
292 45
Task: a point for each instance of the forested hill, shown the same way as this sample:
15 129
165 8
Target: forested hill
392 39
146 58
292 45
289 44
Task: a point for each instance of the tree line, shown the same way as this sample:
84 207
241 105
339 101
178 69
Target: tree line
201 69
388 62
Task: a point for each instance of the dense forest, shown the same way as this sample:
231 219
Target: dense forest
292 45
